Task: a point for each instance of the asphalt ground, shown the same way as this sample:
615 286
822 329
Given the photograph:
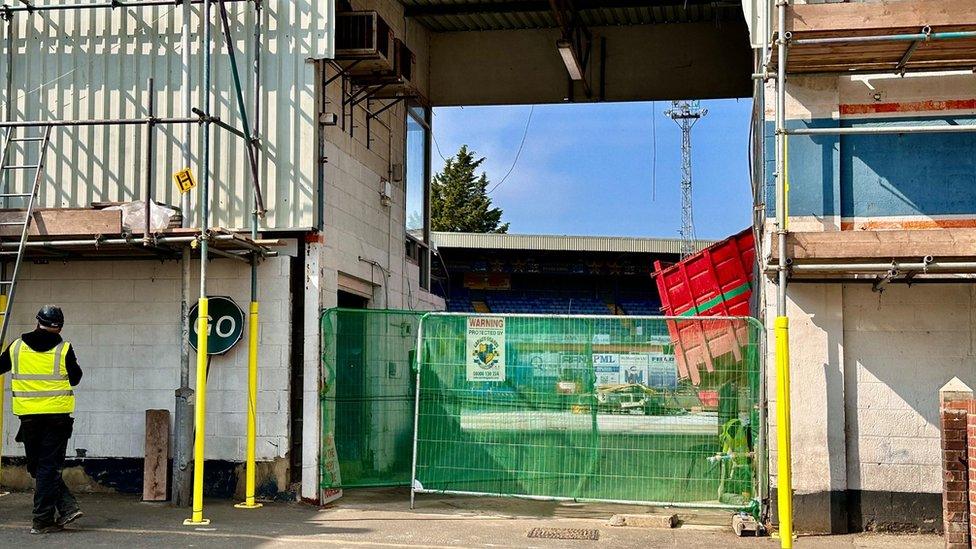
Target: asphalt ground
383 518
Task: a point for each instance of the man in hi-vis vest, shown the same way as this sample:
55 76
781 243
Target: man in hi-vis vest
43 369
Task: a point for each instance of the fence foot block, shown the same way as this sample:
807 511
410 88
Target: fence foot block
651 520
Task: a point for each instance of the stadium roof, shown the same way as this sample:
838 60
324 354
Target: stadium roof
560 243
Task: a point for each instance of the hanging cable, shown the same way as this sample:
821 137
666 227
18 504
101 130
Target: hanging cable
518 153
653 151
437 147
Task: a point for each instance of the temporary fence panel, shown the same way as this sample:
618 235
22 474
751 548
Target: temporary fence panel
585 408
367 397
716 281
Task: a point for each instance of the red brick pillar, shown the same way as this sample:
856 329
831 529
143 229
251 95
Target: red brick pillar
958 422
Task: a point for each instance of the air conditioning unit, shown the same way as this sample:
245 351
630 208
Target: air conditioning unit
396 84
404 61
364 43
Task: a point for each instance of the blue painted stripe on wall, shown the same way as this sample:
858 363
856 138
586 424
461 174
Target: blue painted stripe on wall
878 175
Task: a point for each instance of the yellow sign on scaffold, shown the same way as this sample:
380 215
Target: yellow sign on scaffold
184 180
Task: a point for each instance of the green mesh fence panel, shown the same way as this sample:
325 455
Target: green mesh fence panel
368 397
589 408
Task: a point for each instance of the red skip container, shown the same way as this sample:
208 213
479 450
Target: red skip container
716 281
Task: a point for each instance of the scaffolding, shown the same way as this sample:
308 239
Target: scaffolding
848 52
180 243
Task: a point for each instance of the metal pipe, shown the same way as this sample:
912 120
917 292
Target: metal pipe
182 481
874 130
250 473
907 56
223 125
229 255
132 241
9 105
926 266
3 307
242 109
149 161
113 4
911 37
201 387
98 122
419 361
758 220
784 473
187 100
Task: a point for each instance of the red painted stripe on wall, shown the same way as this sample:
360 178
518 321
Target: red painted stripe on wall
911 106
919 224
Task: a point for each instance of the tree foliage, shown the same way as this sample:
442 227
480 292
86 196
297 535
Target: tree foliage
459 198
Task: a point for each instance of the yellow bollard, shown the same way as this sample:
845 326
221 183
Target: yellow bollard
200 415
785 473
252 407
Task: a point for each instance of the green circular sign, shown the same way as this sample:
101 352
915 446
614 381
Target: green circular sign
226 325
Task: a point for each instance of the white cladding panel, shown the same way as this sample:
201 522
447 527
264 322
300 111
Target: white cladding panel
75 64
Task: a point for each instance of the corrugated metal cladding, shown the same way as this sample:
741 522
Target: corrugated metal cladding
74 64
560 243
468 15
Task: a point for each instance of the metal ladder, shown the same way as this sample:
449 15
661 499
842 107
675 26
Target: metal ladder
7 286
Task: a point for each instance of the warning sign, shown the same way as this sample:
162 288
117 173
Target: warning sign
486 348
184 180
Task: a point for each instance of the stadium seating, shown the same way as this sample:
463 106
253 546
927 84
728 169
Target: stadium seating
542 303
640 307
460 302
551 303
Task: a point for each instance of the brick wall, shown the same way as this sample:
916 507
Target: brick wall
957 429
123 318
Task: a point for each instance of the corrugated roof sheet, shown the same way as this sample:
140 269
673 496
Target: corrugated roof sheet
567 243
78 64
471 15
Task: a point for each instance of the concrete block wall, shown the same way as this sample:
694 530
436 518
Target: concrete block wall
359 228
362 238
123 319
866 372
902 346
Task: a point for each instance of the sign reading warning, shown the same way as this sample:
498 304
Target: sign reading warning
486 348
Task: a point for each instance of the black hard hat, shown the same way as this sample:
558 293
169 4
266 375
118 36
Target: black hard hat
50 316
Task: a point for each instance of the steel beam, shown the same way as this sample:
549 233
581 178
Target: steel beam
528 6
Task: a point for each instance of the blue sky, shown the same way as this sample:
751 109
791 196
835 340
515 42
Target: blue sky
587 168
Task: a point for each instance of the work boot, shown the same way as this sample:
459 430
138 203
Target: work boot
46 528
69 517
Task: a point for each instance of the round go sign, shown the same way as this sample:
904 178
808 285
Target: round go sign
226 325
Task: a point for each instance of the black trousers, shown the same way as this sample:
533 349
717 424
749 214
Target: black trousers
45 439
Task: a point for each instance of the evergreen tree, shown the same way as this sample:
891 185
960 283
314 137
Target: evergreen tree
459 200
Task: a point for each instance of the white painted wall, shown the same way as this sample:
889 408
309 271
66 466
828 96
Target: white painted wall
122 317
816 381
866 368
901 347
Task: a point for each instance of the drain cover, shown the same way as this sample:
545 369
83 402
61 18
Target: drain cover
565 533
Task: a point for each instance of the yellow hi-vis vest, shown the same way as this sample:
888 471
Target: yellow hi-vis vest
39 381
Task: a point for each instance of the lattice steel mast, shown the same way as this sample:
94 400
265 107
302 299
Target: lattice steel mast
685 114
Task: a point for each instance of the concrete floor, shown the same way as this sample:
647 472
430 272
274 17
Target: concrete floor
382 518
